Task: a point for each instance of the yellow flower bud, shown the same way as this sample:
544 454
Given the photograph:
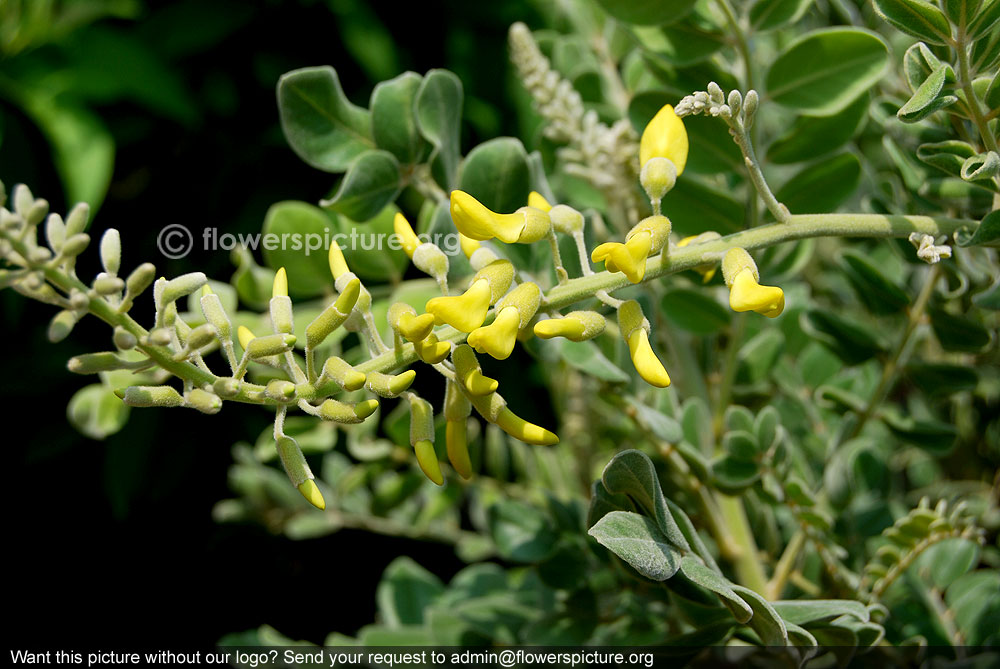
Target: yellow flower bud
470 374
494 409
427 459
476 221
338 265
497 339
745 293
665 137
422 438
387 385
575 326
340 372
295 465
430 350
635 331
456 413
538 201
407 237
280 390
280 286
334 315
342 412
311 492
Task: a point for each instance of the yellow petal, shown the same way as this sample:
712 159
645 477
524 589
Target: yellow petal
478 385
559 327
427 459
457 441
476 221
405 234
430 350
464 312
280 286
628 258
312 494
538 201
521 429
338 265
469 245
745 294
245 335
646 363
665 137
498 338
414 327
365 408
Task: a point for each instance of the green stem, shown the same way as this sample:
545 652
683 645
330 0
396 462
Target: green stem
749 569
972 100
785 566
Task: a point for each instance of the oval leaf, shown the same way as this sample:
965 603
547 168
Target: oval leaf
647 12
305 261
372 182
394 124
638 541
822 186
915 17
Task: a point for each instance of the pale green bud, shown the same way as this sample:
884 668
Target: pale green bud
281 314
227 387
111 251
55 231
421 421
78 300
151 396
215 314
201 336
204 401
276 344
293 460
77 219
37 212
181 286
61 325
39 255
386 385
140 279
92 363
160 337
23 200
280 390
106 284
74 245
735 102
750 103
124 340
343 374
566 219
431 260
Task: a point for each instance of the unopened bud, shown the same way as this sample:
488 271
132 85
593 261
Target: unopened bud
77 219
74 245
61 325
658 177
431 260
151 396
280 390
226 387
124 340
276 344
106 284
181 286
566 219
204 401
55 231
111 251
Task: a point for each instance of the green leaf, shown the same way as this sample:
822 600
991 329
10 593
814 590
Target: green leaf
973 600
947 156
631 472
602 503
770 14
813 136
825 70
852 341
394 124
95 411
933 436
307 267
915 17
805 611
699 574
987 232
587 357
989 298
941 378
740 445
638 541
822 186
927 99
319 122
758 356
951 559
368 249
984 166
372 182
496 173
958 332
879 294
439 118
681 44
404 593
989 14
663 426
647 12
694 207
765 621
695 311
992 97
522 533
733 475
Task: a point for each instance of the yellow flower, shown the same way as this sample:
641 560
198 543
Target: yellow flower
476 221
538 201
635 330
745 293
467 312
575 326
648 237
665 137
470 374
514 312
405 233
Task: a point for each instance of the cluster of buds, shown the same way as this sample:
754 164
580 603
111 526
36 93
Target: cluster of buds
714 102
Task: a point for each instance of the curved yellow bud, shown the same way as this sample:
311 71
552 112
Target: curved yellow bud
280 286
538 201
478 385
476 221
457 441
464 312
387 385
404 231
415 327
338 265
665 137
469 245
646 363
628 258
745 294
311 492
570 328
430 350
245 335
342 412
427 459
365 408
521 429
498 338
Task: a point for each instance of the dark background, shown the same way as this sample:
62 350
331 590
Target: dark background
113 542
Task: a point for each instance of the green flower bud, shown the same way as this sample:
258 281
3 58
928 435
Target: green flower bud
92 363
37 212
280 390
106 284
23 200
295 465
566 219
160 337
226 387
124 340
431 260
280 308
658 177
55 231
204 401
334 315
386 385
276 344
215 314
340 372
139 280
181 286
77 219
201 336
348 414
74 245
61 325
111 251
151 396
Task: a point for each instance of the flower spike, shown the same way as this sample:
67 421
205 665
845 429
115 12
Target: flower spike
745 293
514 312
476 221
635 331
665 137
